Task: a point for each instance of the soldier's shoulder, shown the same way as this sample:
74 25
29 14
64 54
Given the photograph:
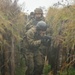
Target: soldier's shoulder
29 22
31 31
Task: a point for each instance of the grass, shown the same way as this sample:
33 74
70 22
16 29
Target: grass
71 71
20 69
47 69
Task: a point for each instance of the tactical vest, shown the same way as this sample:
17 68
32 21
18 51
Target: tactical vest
33 22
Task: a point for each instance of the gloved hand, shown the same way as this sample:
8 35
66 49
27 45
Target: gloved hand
46 40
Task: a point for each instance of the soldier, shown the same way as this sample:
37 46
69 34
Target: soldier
31 16
35 48
38 12
38 16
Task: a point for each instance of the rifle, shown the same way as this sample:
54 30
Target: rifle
46 40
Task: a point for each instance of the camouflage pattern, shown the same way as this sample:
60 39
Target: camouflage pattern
38 10
33 21
34 53
36 20
29 25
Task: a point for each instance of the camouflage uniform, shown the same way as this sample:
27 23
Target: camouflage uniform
34 53
32 22
38 18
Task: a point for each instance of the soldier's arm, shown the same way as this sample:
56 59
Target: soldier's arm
30 39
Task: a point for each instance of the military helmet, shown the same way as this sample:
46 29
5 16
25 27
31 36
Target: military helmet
41 25
38 10
31 13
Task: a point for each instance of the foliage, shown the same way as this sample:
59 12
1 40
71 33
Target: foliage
12 27
62 29
20 69
62 21
47 69
12 22
71 71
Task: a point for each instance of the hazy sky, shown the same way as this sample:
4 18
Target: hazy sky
30 5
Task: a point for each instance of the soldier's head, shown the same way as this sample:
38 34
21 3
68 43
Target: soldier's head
31 15
41 27
38 13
